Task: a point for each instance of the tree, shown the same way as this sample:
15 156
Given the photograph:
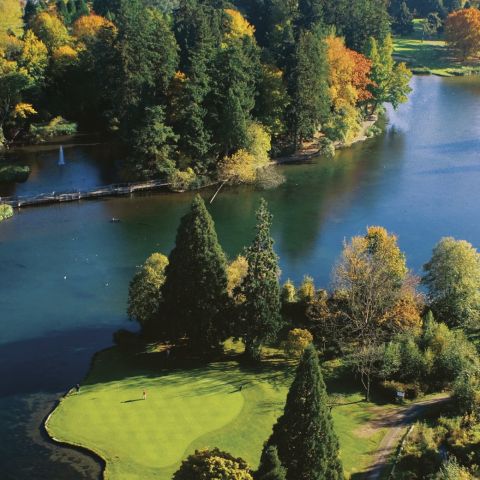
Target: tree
237 168
195 289
349 83
462 31
304 435
433 24
213 464
88 26
452 277
403 20
308 86
376 296
270 466
147 55
389 80
153 145
50 30
144 295
261 309
34 57
11 23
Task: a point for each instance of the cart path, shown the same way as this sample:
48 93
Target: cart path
397 422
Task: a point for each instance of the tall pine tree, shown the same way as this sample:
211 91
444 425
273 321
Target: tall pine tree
261 309
195 289
304 435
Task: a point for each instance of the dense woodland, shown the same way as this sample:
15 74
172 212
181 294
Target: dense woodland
199 88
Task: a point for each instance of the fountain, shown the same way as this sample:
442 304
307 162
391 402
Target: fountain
61 158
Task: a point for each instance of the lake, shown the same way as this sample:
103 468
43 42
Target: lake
66 268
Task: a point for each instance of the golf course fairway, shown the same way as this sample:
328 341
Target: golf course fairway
218 405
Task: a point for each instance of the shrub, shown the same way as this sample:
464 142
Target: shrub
268 178
327 148
6 211
182 180
57 126
204 464
14 173
297 341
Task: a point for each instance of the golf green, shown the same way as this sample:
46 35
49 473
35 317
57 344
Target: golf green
218 405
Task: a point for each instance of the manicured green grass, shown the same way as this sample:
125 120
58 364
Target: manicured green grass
188 409
429 55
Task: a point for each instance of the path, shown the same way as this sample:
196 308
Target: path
396 424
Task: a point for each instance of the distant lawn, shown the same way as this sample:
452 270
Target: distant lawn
192 408
430 55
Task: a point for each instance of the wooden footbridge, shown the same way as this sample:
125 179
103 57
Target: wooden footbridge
117 189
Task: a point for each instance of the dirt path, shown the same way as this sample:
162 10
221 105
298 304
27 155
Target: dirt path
396 423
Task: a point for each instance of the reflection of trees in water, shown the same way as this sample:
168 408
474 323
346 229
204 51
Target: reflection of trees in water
329 188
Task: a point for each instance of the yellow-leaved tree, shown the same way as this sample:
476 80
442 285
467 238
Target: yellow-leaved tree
238 26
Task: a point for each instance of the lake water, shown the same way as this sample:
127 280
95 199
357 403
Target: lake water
66 268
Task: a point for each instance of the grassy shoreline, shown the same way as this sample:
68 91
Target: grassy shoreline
430 55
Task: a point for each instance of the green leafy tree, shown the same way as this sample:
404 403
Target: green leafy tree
144 295
390 80
304 435
153 145
261 309
195 290
213 464
452 277
270 466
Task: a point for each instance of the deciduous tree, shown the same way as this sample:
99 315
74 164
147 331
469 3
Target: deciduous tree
462 32
452 277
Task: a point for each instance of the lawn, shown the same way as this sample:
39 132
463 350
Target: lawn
191 408
429 55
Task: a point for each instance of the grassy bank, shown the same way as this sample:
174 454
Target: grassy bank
193 408
430 55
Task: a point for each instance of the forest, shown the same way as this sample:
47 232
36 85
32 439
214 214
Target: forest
200 89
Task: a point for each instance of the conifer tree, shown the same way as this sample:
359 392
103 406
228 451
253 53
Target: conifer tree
195 289
270 466
304 435
261 310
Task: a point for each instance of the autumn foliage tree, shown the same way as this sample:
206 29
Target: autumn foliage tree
348 85
462 31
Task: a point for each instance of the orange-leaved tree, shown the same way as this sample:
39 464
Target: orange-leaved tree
462 31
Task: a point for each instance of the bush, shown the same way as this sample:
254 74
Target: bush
373 131
57 126
327 148
14 173
297 341
6 211
182 180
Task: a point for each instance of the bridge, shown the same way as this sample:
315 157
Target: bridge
113 190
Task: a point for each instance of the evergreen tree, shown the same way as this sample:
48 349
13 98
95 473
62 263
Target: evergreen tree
270 466
261 309
153 145
32 8
304 435
198 32
81 8
107 8
308 86
195 289
403 20
147 55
